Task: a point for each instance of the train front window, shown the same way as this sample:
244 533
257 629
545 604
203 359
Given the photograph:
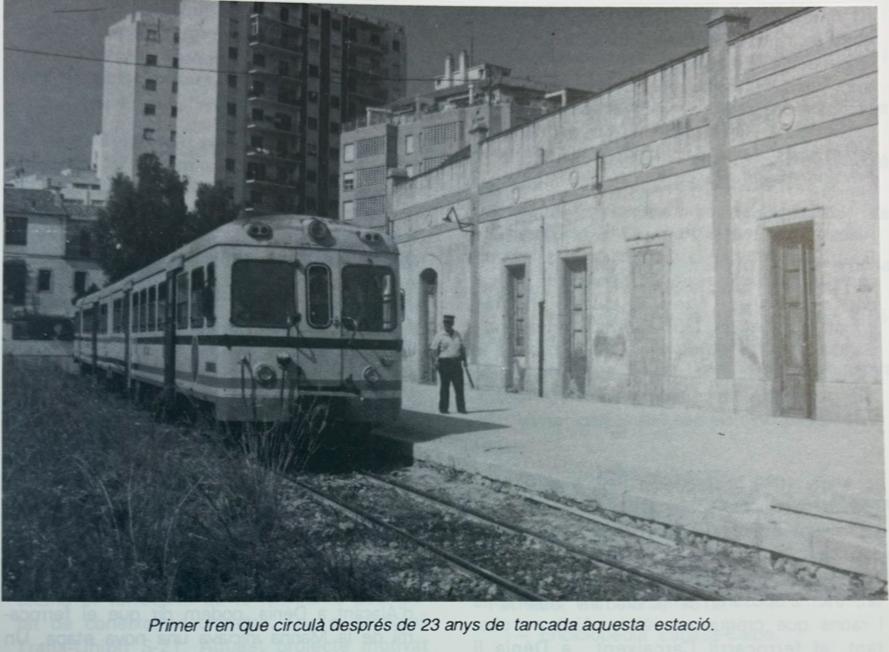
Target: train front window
319 295
262 293
368 298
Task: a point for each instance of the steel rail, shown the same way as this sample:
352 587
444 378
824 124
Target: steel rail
676 585
460 562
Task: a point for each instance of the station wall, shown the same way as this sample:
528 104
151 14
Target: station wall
658 224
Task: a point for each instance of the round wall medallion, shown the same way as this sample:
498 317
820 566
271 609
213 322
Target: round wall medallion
646 159
573 178
786 117
515 195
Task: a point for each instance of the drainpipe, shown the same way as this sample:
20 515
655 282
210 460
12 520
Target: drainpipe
540 308
477 133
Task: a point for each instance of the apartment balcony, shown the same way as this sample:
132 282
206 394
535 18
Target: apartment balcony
268 182
274 71
269 41
272 99
273 155
275 126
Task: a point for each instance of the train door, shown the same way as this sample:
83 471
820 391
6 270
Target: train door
648 325
516 327
575 284
793 265
127 337
174 288
427 323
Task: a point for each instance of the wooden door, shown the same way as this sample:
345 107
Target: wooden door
648 325
794 283
517 327
428 323
576 327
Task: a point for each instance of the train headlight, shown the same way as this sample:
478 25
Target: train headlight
259 231
371 375
265 375
319 232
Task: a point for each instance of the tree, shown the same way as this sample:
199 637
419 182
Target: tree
142 221
214 207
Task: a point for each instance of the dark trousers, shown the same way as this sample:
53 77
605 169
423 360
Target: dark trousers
451 371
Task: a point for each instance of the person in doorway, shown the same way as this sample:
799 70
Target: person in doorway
448 355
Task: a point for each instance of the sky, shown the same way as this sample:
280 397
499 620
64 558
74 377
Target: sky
52 106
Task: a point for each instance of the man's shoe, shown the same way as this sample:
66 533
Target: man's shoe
462 411
442 411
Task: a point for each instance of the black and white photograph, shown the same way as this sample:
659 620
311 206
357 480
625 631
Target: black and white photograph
365 326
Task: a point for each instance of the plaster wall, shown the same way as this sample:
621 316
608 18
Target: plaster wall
633 168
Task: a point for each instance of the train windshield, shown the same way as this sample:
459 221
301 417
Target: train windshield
369 297
262 293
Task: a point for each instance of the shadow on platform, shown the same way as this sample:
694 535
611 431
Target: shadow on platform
424 426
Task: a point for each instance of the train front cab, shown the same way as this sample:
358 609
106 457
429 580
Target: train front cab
309 328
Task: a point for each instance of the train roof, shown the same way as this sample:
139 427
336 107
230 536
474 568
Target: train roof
267 230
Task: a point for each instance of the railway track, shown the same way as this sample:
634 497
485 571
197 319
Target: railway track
461 564
488 547
594 556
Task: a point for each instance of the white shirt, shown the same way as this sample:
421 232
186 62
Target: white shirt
448 346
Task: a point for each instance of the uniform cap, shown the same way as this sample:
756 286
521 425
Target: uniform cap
449 317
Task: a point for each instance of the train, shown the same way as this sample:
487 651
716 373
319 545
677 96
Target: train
263 318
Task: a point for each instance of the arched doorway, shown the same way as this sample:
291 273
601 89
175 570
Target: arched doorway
428 322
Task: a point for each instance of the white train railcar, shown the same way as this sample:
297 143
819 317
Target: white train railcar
256 319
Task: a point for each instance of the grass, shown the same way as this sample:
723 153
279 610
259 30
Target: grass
102 503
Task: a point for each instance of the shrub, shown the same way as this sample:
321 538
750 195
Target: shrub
101 503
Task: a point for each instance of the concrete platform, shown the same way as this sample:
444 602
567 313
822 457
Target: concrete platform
786 485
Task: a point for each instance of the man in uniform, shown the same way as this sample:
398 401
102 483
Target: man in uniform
448 354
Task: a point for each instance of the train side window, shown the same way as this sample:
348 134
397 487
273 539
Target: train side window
320 305
115 316
134 327
197 291
182 301
162 305
152 308
209 296
143 310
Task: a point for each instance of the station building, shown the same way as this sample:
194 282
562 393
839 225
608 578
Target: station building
704 235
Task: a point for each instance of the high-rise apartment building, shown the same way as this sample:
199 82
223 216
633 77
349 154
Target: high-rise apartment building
139 93
264 90
418 134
